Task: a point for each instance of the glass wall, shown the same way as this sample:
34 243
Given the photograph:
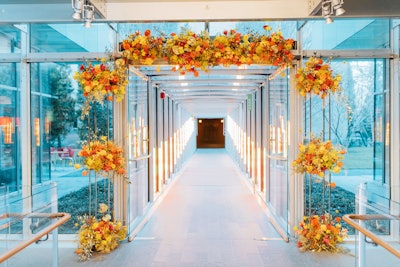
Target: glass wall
277 177
10 39
10 148
58 38
346 34
138 150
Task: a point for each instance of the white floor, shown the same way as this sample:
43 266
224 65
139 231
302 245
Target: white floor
209 217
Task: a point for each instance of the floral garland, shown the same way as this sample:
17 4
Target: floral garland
273 49
145 48
102 81
317 78
99 235
317 157
102 156
189 52
320 233
231 49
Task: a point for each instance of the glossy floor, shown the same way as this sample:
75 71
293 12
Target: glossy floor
208 217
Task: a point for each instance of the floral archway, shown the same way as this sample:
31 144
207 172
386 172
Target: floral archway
186 52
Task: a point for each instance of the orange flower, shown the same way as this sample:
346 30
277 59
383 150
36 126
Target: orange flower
316 78
102 156
319 233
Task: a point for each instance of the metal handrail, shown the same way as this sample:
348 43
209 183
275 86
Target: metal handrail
349 218
62 216
140 158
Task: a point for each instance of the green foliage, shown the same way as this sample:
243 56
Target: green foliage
96 121
62 103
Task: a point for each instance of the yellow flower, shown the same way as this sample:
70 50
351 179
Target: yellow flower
103 208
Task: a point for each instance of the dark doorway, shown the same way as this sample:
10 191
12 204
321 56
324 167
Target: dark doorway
210 133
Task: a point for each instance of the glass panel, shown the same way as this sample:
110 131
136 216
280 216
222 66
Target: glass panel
278 162
138 135
346 34
358 121
158 29
380 214
10 39
10 149
57 133
71 38
288 28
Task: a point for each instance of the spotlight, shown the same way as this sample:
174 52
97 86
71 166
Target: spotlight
327 11
337 6
340 11
88 15
328 20
77 7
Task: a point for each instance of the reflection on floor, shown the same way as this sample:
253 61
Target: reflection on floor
208 217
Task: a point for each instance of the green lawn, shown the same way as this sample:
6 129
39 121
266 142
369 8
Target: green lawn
359 158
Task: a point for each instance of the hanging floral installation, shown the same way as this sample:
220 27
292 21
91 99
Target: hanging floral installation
317 78
99 233
144 48
191 52
188 52
104 81
318 157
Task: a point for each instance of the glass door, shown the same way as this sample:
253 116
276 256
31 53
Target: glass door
138 153
277 156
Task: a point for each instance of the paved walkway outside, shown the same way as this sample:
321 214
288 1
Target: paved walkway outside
209 217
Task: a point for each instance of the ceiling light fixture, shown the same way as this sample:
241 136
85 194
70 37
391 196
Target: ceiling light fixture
88 15
337 6
331 8
77 6
327 11
83 10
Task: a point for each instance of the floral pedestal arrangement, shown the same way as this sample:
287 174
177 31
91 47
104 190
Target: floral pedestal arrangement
319 232
99 233
101 156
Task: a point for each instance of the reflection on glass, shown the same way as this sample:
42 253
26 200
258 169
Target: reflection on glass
10 39
277 176
346 34
71 38
10 163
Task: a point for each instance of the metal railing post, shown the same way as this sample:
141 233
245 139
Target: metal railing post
362 200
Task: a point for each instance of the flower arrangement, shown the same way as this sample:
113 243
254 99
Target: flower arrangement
99 235
231 49
145 48
317 78
103 81
188 51
102 156
273 49
320 233
317 157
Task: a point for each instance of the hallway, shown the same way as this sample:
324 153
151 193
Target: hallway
208 217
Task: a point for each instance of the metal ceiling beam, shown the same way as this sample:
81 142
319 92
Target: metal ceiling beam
210 88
